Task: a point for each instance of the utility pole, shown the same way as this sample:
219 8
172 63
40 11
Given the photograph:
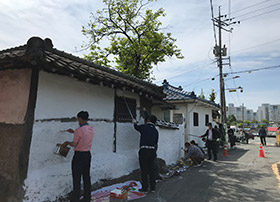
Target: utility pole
242 116
220 64
220 51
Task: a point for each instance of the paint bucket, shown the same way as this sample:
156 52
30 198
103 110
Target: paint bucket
119 195
62 151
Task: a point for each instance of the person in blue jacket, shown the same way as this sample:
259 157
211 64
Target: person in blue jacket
147 153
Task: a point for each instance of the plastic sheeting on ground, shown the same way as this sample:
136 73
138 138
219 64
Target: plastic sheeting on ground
103 194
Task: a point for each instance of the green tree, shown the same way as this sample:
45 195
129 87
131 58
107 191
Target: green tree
265 122
246 123
240 125
212 96
202 94
254 121
231 120
134 34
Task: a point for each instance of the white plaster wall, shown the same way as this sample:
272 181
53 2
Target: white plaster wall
49 175
193 132
61 96
196 131
170 143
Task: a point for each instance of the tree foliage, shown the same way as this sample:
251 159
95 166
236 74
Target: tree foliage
231 120
134 34
254 121
247 123
212 96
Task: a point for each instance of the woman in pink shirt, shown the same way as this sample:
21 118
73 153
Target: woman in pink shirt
82 142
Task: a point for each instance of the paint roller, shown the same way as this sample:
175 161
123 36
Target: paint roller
130 113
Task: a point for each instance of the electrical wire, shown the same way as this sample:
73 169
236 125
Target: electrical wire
253 70
229 50
231 96
231 73
260 14
188 71
260 9
251 6
212 15
266 43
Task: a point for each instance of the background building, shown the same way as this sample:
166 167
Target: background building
265 111
274 113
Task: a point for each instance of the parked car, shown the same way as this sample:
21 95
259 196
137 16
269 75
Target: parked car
271 131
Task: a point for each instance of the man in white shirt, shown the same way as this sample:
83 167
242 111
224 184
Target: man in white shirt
211 135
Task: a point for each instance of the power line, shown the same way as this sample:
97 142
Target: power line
260 14
197 82
231 96
229 51
232 53
230 73
200 81
269 42
251 6
188 71
260 9
212 14
253 70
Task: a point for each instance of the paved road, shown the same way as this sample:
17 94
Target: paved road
240 177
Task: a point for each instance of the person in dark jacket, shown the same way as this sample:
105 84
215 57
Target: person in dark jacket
147 152
262 134
231 137
211 140
223 133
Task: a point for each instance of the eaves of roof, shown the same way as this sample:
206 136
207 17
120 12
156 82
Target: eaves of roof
38 53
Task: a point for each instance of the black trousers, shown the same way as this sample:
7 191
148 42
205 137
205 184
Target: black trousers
212 148
81 168
147 162
232 140
263 140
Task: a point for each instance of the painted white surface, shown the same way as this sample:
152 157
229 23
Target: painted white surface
193 132
49 175
196 131
170 143
61 96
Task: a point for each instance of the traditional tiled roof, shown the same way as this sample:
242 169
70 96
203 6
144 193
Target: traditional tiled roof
177 93
38 53
164 124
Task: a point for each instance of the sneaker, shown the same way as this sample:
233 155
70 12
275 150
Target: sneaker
197 165
144 191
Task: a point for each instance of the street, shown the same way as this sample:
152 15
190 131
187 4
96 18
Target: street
240 177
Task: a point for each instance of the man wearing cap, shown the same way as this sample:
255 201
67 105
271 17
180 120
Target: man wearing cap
147 152
82 142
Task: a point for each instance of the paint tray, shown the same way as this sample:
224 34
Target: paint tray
63 151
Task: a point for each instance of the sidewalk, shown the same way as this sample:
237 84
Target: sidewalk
240 177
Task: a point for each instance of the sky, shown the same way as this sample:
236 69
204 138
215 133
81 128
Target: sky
254 43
